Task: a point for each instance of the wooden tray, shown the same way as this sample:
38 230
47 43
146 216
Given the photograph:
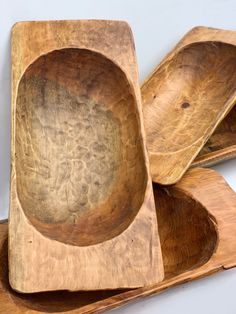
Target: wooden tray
82 213
185 99
198 237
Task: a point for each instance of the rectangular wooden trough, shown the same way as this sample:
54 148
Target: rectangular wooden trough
198 237
82 212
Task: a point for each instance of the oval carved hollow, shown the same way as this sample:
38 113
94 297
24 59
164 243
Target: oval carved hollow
190 90
187 234
80 169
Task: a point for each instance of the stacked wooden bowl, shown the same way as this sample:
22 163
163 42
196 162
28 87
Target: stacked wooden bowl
104 208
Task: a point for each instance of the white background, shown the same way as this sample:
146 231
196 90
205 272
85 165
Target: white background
157 26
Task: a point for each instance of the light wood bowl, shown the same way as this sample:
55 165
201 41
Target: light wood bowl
198 237
186 98
81 192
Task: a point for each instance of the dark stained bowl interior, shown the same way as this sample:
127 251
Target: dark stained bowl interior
80 169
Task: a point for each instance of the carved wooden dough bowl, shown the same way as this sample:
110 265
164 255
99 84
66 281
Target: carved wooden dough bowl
198 237
81 190
186 98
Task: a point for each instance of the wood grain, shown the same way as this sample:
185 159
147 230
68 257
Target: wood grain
198 214
186 98
222 143
82 212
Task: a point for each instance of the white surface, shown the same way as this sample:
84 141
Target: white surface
157 26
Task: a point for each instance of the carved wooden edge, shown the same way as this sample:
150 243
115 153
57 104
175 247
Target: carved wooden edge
196 35
213 158
64 34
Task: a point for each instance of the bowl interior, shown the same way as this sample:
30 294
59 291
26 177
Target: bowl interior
187 233
184 97
80 168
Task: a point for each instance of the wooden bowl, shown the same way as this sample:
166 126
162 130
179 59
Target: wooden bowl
79 153
80 182
222 143
198 237
186 98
